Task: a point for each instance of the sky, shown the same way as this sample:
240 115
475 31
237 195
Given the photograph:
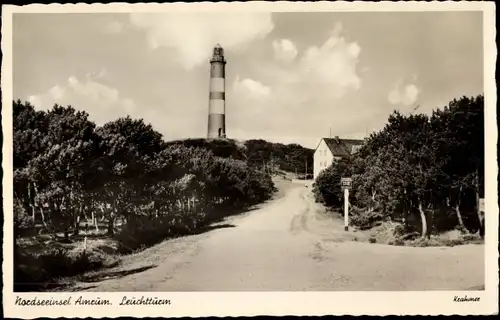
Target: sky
290 77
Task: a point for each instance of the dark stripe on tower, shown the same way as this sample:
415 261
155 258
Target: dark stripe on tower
217 96
217 70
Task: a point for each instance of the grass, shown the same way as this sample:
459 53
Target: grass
39 268
445 240
391 233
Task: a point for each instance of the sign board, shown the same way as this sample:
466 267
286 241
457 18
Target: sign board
481 205
346 182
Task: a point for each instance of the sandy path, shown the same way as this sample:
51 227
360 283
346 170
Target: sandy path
291 244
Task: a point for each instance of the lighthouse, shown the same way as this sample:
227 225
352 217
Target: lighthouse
217 96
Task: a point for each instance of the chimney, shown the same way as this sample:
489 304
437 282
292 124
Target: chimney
337 139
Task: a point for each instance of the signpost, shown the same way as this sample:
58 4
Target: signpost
346 184
481 205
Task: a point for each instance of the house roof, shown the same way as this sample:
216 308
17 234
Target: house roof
343 147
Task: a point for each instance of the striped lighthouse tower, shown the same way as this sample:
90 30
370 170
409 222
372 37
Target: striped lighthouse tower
217 100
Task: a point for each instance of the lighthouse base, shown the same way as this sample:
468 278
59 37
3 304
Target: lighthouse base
216 126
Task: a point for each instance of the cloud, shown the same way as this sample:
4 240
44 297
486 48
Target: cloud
333 64
251 88
320 78
405 95
57 92
103 103
284 50
193 35
323 74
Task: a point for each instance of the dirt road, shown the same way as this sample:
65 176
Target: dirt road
290 244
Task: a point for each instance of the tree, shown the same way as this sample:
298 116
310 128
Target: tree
127 148
52 152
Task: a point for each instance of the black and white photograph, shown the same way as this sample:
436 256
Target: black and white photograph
237 150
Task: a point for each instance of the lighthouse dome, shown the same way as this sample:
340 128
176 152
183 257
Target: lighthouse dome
218 54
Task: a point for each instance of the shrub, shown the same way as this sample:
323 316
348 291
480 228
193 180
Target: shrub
399 242
410 236
453 242
37 271
22 221
326 188
399 230
365 219
61 262
142 231
470 237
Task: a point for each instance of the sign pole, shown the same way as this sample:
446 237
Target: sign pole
346 209
346 184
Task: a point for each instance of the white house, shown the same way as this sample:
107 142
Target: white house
331 149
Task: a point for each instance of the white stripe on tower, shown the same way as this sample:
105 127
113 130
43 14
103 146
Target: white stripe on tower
217 97
217 106
217 85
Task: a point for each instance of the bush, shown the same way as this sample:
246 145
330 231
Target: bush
326 188
38 271
364 219
384 233
144 231
221 148
392 233
61 262
410 236
470 237
23 223
453 242
442 241
399 230
399 242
